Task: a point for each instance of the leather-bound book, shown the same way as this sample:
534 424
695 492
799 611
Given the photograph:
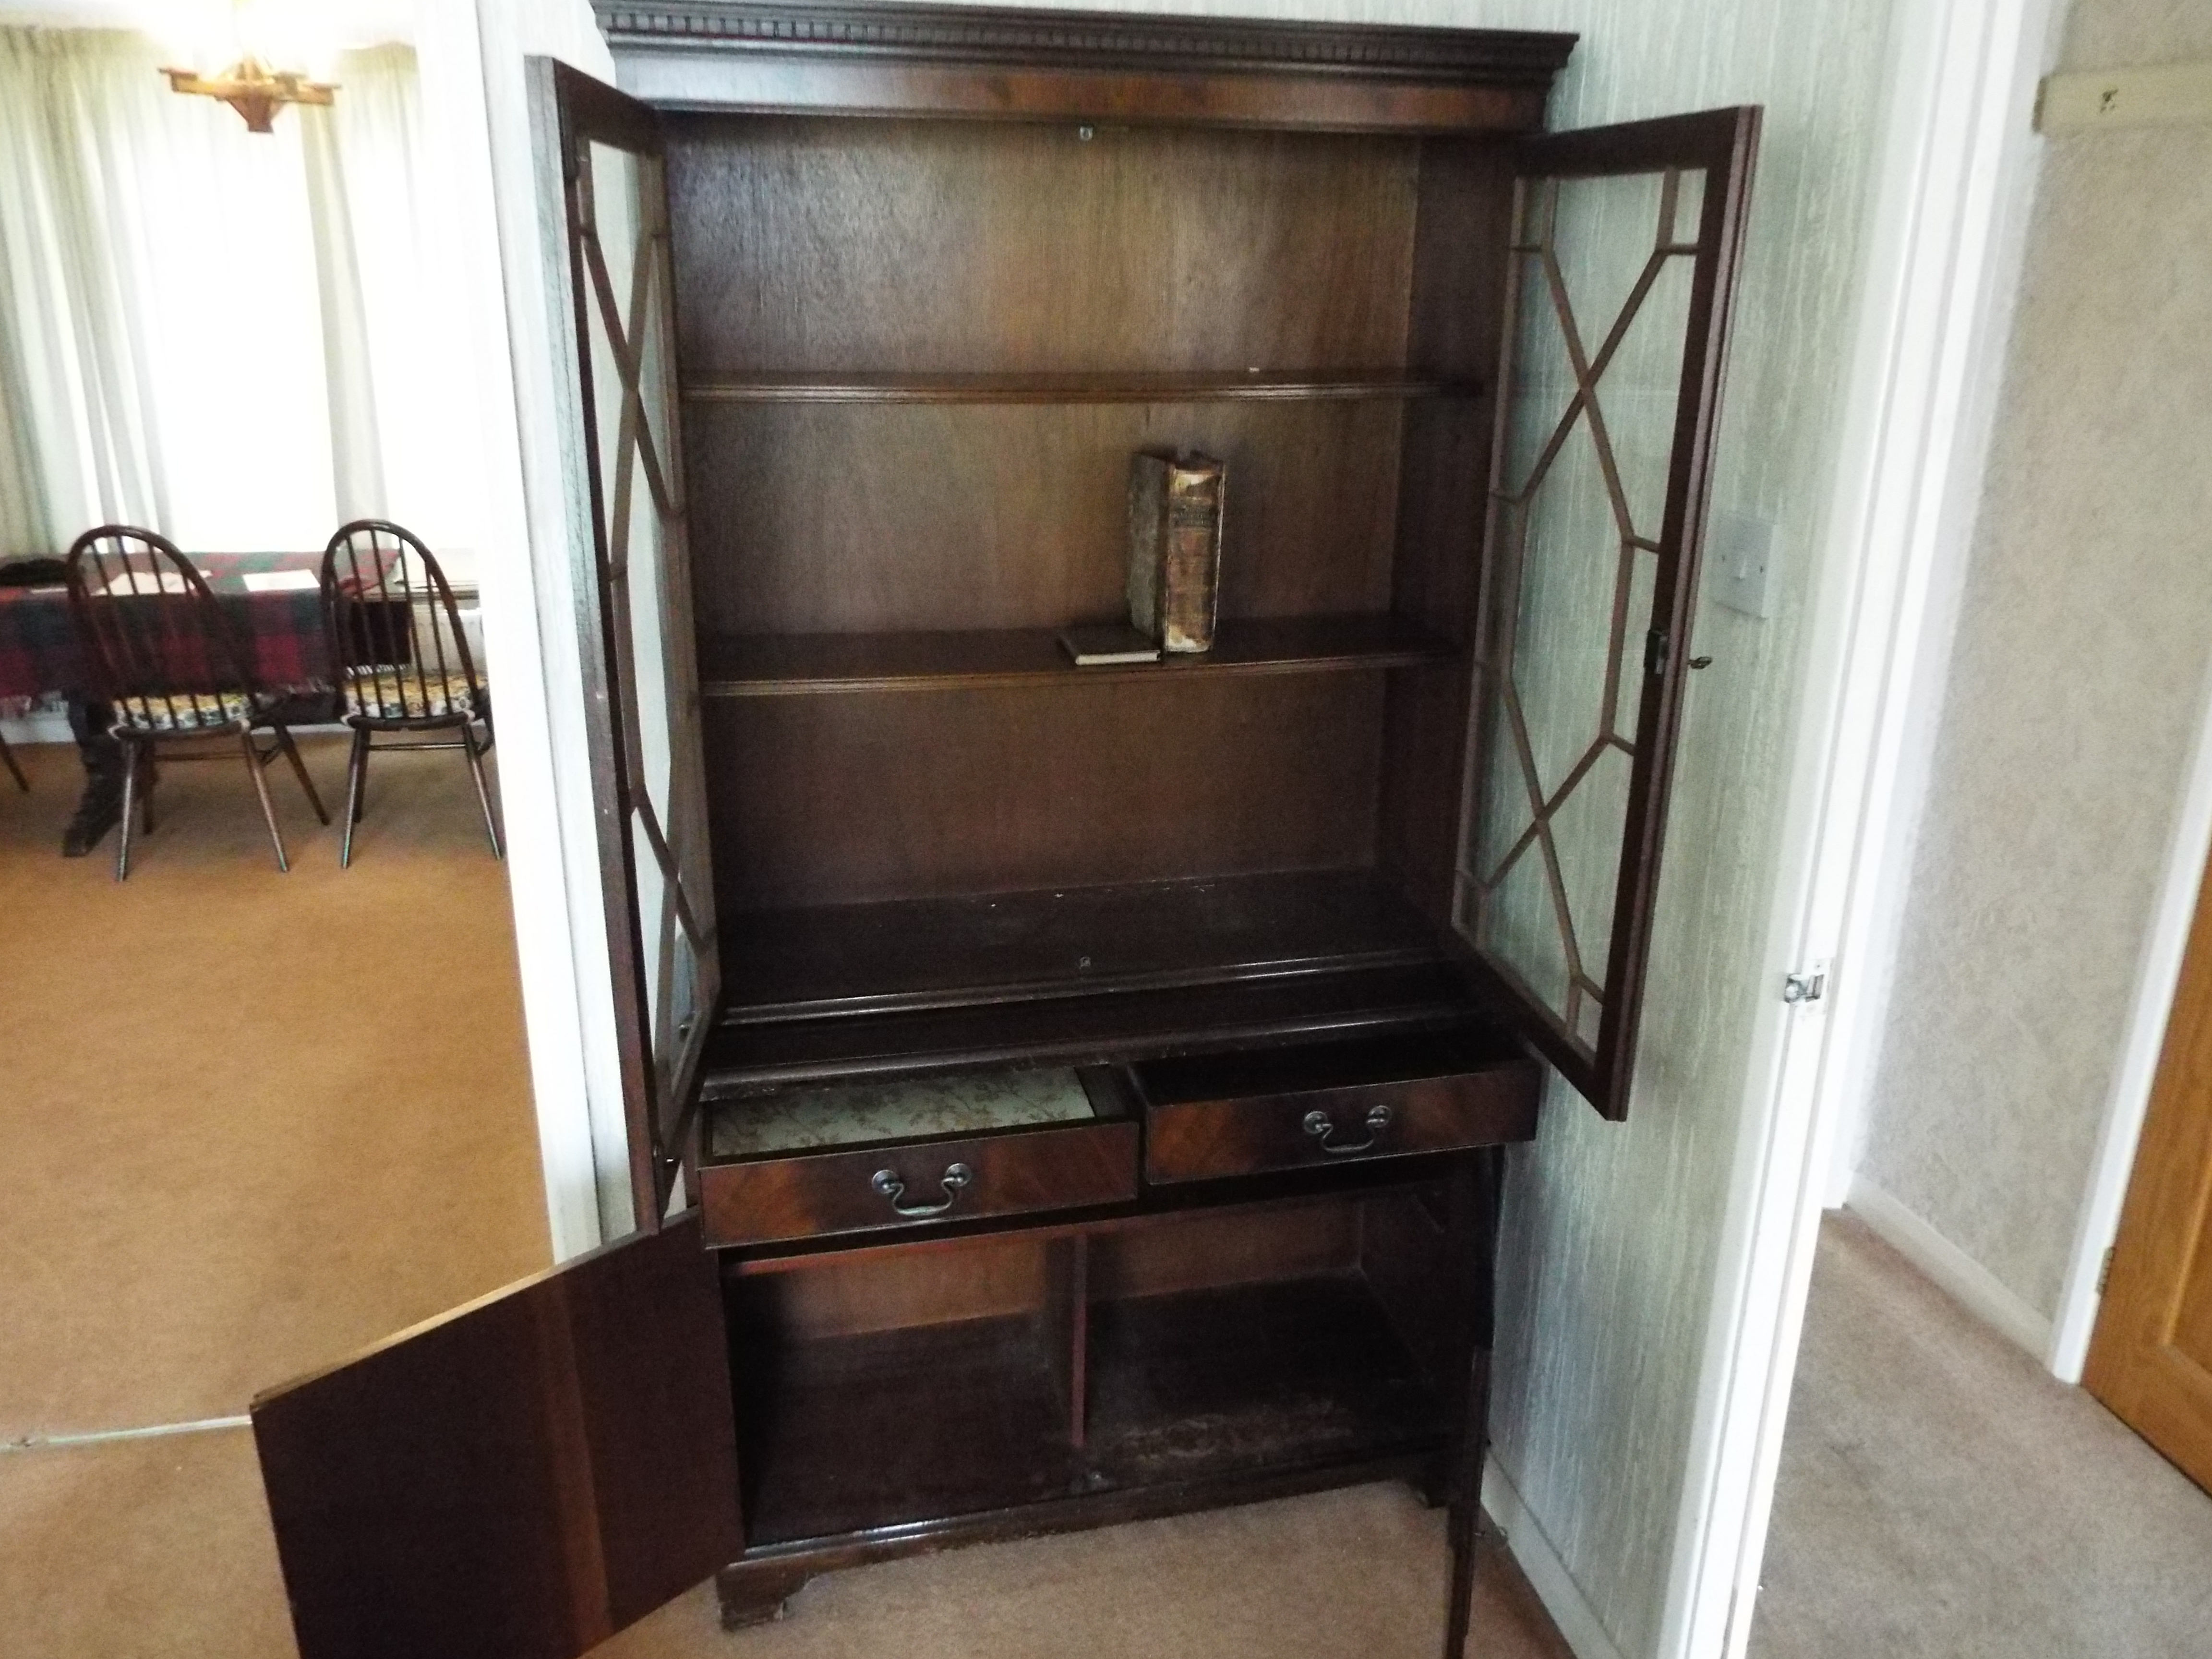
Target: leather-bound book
1175 548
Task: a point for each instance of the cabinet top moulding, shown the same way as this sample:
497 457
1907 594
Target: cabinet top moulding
1216 386
1081 65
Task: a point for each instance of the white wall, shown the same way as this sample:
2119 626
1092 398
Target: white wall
472 63
2073 700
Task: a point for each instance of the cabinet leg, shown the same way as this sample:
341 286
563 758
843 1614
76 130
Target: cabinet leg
754 1593
1434 1484
1477 1212
1463 1520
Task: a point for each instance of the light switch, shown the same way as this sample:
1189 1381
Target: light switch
1740 562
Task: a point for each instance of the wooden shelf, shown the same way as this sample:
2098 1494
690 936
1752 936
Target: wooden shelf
1217 1382
797 665
911 954
1202 387
1083 1029
847 1433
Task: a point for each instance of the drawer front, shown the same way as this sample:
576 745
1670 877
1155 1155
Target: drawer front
1247 1134
869 1189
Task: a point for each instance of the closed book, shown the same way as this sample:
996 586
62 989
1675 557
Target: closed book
1107 643
1175 548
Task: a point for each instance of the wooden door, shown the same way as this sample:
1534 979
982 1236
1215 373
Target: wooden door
2151 1359
634 626
1624 243
523 1477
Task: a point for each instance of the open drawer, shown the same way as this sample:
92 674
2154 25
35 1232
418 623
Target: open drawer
914 1152
1208 1116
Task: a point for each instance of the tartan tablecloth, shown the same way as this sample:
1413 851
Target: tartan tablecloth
282 632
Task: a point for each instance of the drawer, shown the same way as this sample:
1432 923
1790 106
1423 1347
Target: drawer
847 1170
1317 1104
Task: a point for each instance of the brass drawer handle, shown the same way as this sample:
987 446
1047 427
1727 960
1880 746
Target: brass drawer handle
1319 1126
956 1176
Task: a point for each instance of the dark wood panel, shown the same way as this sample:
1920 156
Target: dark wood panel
1210 1248
844 799
1212 1116
1286 103
816 1195
1088 387
949 246
1466 199
1120 1026
1251 1377
796 664
1063 941
848 1433
879 1285
872 518
523 1477
1077 64
752 1590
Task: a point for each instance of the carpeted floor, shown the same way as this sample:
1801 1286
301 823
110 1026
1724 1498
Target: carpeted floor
1942 1496
252 1122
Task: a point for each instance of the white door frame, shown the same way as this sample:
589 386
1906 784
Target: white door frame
1943 244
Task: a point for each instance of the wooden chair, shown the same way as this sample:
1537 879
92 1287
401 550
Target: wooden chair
8 760
403 664
163 656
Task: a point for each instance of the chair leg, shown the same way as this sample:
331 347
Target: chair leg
357 780
261 789
130 796
146 792
299 770
8 759
484 794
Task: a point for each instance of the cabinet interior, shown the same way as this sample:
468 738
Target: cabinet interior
916 357
923 1380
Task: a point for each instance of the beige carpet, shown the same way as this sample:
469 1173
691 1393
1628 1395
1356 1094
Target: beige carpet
252 1122
1941 1497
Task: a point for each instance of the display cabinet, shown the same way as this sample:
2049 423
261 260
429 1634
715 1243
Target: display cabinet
1062 1095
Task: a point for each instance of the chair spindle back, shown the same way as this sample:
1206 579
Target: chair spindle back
157 645
394 623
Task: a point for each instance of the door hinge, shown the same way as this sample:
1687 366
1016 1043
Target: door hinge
1807 986
2105 1272
1657 648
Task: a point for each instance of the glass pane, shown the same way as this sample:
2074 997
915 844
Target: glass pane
1604 275
632 422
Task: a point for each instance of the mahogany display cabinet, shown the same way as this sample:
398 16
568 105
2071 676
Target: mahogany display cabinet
1059 1096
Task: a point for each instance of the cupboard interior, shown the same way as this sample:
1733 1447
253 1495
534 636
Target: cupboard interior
928 1379
916 357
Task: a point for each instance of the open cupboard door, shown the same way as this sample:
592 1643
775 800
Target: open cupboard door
523 1477
1625 244
633 585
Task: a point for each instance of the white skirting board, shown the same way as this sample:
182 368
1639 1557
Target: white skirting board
1555 1587
1966 1279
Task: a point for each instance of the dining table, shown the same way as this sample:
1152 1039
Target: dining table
273 604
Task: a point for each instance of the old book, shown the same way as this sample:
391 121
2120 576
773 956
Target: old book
1105 643
1175 548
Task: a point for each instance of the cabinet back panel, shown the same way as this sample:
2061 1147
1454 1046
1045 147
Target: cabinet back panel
889 1290
853 518
936 246
915 794
1201 1251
